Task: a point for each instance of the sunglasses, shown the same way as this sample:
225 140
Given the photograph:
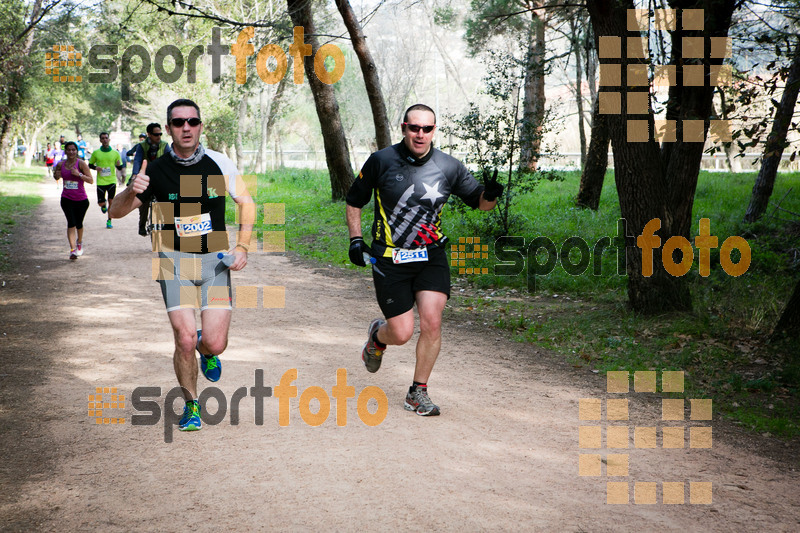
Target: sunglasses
414 128
159 133
179 122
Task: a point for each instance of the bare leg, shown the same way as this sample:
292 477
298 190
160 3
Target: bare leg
398 329
430 305
215 324
72 237
184 359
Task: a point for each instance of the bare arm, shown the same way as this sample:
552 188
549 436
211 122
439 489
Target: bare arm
126 201
86 172
247 217
353 215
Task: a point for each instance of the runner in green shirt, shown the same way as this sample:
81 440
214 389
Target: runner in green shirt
104 160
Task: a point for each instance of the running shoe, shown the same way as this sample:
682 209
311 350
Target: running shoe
419 402
104 209
108 224
190 421
73 255
371 354
79 250
210 365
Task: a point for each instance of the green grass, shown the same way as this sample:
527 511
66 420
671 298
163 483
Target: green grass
18 198
721 345
314 225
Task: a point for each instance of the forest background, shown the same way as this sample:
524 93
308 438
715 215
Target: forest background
531 87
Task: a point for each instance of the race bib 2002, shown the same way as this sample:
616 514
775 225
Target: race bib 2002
193 226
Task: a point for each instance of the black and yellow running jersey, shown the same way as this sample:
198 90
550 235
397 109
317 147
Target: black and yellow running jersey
409 195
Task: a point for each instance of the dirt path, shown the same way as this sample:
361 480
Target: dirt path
504 454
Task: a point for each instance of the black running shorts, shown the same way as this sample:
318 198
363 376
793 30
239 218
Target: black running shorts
111 189
74 210
396 285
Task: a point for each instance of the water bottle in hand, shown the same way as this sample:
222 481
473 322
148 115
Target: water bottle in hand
226 259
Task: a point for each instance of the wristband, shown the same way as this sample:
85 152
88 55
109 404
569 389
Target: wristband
240 245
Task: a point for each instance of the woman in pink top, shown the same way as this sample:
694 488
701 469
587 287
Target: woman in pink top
74 201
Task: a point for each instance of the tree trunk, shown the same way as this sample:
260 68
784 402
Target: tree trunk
533 105
789 323
336 154
13 70
261 154
655 182
776 142
734 164
241 127
576 50
372 83
594 171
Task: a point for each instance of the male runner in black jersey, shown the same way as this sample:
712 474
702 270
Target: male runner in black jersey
411 182
189 185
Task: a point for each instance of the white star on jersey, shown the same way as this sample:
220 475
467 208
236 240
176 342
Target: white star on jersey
431 193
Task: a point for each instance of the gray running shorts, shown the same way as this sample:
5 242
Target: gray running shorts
193 281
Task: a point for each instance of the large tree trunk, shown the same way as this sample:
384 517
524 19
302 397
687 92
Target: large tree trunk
776 142
533 104
372 83
594 171
655 183
336 154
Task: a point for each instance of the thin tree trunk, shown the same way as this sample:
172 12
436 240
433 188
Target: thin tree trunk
262 138
336 153
15 72
734 164
594 171
369 70
789 323
776 142
534 100
241 126
576 50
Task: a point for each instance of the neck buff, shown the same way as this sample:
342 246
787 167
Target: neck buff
411 158
189 161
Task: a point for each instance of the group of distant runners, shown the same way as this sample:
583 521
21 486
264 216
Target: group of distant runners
67 162
410 182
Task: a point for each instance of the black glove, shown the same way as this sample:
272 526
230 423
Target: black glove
492 190
357 250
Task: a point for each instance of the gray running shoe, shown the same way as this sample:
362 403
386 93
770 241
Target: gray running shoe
370 354
419 402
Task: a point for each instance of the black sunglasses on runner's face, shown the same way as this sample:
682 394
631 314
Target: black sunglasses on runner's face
179 122
414 128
